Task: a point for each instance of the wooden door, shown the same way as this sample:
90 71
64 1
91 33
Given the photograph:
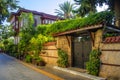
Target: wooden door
81 50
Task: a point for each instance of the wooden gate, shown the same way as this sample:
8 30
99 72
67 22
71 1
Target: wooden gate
81 50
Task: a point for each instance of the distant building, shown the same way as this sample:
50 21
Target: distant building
39 18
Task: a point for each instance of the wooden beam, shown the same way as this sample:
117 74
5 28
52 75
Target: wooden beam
78 30
68 40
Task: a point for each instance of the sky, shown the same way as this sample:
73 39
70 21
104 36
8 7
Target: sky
46 6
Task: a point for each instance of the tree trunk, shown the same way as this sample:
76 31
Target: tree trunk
117 12
96 38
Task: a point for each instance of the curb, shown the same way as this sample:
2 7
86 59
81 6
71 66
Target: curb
54 77
79 73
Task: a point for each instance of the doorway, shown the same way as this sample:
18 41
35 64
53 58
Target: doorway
81 48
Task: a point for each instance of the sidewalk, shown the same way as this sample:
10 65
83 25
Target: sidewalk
63 74
54 73
79 73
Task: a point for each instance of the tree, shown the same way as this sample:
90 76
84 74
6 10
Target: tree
5 31
6 35
65 10
5 7
117 12
88 6
27 31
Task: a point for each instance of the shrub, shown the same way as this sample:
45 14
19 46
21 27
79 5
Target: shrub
93 64
62 58
28 58
37 60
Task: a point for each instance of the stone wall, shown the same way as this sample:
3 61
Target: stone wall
64 42
110 58
49 53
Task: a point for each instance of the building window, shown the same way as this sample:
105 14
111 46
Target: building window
53 21
16 24
49 21
46 21
35 22
13 24
21 24
43 21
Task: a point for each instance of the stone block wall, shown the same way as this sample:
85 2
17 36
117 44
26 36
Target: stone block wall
49 53
110 67
64 43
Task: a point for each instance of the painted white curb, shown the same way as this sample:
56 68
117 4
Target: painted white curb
80 74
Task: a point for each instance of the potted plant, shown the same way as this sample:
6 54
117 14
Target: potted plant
28 58
40 61
37 60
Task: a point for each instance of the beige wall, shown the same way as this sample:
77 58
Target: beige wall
64 42
49 54
111 60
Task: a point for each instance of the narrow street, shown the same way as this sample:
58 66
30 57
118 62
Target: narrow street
10 69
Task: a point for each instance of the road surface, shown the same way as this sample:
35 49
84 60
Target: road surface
11 69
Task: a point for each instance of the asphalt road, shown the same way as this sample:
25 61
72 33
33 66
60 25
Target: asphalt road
10 69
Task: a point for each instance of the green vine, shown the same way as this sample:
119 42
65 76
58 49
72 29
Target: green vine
92 19
65 25
62 58
93 64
